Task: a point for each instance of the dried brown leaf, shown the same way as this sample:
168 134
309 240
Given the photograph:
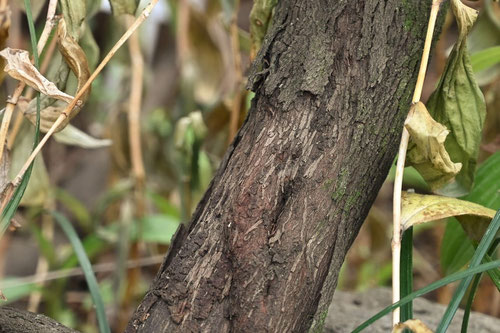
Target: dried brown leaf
427 152
77 61
415 325
20 68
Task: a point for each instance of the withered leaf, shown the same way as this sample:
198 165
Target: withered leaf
458 103
418 209
426 150
77 61
415 325
20 68
71 135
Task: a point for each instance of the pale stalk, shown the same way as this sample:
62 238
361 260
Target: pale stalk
134 111
12 101
141 18
71 272
398 181
235 46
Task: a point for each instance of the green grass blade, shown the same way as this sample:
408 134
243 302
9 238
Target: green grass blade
406 276
87 270
13 203
475 285
482 249
433 286
470 300
485 59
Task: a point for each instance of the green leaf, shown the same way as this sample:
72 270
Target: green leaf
482 249
485 59
469 273
74 12
458 103
456 248
158 228
406 268
15 288
87 271
485 34
120 7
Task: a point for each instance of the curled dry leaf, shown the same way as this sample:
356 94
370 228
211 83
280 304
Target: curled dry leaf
77 61
427 152
458 103
415 325
20 68
418 209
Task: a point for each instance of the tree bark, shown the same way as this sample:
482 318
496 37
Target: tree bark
18 321
263 251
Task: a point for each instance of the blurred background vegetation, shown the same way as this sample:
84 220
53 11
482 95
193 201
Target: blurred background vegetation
190 62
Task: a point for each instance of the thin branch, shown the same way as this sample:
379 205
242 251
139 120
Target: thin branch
12 101
71 272
398 181
144 15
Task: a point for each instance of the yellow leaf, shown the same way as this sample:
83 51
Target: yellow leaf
426 151
418 209
415 325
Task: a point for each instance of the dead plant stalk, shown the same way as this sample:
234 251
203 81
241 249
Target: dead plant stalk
138 21
398 181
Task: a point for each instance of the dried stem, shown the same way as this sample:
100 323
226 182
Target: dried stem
398 181
12 101
135 107
235 45
144 15
134 132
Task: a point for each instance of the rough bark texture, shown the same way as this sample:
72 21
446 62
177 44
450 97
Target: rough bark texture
264 248
17 321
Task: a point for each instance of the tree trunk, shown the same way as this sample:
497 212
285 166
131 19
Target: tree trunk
263 251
